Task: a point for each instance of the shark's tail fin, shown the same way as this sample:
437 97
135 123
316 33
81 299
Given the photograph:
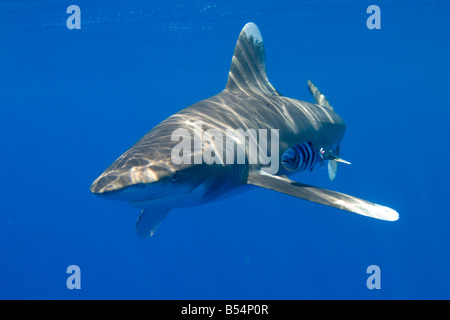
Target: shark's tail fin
331 155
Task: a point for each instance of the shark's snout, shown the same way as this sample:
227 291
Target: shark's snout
128 184
106 183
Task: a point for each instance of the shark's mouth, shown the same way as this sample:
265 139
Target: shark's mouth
144 203
135 193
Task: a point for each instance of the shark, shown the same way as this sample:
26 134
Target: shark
307 133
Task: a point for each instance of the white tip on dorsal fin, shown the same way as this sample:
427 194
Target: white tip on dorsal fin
319 98
248 71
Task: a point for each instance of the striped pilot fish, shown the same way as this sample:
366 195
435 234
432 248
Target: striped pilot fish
305 156
302 157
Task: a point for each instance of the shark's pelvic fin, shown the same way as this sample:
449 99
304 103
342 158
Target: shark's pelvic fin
149 220
333 165
333 157
337 159
248 68
323 196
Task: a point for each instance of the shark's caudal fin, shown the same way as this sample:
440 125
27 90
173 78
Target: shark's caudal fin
322 196
248 71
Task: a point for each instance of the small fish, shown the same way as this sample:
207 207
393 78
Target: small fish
302 157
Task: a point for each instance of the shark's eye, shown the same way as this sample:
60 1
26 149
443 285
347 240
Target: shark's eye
175 176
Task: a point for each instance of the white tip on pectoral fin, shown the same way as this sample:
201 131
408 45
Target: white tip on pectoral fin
322 196
385 213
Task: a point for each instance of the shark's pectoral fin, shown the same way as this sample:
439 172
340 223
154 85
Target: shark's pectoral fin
323 196
149 220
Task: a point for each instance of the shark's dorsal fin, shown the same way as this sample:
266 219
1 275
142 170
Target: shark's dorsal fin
248 69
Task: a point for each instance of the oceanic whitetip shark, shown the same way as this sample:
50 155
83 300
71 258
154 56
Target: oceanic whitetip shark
309 133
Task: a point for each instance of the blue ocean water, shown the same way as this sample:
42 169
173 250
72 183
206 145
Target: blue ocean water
72 101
